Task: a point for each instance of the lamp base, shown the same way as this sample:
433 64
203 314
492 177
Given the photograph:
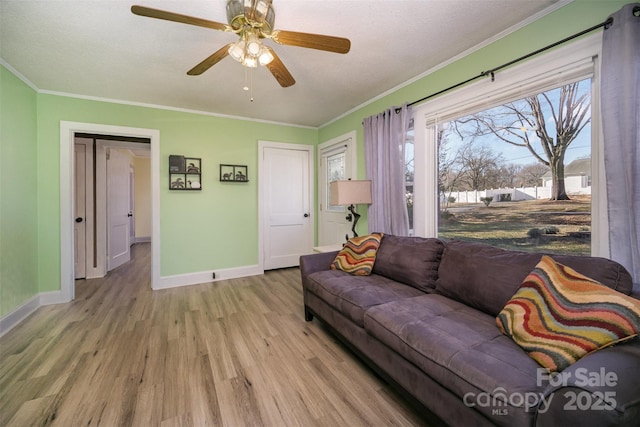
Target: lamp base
356 217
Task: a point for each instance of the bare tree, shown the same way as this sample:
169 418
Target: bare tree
447 175
509 175
480 167
531 175
511 122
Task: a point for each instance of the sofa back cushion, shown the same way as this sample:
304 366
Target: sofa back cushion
486 277
410 260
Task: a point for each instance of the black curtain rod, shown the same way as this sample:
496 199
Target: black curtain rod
492 71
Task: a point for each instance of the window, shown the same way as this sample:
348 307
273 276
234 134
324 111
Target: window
513 175
409 173
335 172
336 161
454 128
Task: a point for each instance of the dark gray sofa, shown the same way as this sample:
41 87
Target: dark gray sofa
425 321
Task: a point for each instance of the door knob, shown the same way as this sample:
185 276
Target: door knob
129 214
306 215
79 219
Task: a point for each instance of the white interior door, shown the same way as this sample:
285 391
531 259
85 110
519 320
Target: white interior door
80 217
336 163
286 201
117 208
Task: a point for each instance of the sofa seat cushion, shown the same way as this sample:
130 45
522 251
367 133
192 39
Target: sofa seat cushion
353 295
456 345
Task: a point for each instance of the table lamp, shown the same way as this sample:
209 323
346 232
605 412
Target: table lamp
351 192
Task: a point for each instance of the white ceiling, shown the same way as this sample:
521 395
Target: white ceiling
98 48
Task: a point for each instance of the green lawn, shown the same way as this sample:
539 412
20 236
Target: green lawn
507 224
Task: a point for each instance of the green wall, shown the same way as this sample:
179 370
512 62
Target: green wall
566 21
214 228
218 226
18 192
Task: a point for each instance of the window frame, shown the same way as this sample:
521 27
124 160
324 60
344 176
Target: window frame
572 62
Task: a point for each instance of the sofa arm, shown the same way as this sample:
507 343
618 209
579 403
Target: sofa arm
316 262
601 389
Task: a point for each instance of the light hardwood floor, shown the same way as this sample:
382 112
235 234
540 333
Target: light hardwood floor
229 353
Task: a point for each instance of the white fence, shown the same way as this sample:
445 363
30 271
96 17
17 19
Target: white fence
504 194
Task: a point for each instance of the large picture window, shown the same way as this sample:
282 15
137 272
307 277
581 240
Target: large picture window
514 175
515 162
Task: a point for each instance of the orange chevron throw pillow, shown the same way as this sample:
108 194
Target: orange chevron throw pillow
559 316
358 255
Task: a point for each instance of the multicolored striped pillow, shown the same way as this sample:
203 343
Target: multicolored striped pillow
558 315
358 255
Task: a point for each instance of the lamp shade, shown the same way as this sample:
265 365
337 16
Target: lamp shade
352 192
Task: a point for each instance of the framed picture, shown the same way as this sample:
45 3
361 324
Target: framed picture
185 173
234 173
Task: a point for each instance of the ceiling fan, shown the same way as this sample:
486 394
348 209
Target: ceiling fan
253 21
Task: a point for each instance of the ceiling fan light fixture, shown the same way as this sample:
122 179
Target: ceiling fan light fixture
237 50
250 51
250 61
254 46
265 56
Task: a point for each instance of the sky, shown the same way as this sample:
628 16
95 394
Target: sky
579 148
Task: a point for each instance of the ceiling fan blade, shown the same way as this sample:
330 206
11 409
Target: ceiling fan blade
176 17
279 71
212 60
313 41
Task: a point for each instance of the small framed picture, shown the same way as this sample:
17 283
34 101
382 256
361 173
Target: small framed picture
234 173
185 173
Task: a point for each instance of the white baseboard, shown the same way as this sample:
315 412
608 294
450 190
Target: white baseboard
10 320
207 276
52 297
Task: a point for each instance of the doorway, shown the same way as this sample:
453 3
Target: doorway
104 199
285 203
68 130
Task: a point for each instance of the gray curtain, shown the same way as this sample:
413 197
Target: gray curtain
620 87
384 140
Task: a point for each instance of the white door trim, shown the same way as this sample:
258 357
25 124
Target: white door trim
261 182
67 132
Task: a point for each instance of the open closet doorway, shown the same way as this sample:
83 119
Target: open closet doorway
105 192
109 140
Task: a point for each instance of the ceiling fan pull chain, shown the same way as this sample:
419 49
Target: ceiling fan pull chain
246 79
251 84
